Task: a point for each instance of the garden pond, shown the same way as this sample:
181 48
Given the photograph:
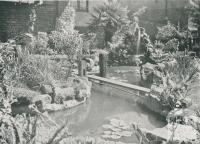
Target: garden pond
98 117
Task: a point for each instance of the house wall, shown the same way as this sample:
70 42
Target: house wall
156 13
14 17
47 14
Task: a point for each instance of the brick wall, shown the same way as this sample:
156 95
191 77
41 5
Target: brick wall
14 17
156 13
47 14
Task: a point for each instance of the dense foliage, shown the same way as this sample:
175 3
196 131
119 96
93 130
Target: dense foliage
172 70
106 20
117 30
20 68
194 12
66 40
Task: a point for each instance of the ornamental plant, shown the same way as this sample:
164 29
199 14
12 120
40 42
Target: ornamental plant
166 33
128 40
106 20
176 78
41 44
117 30
65 39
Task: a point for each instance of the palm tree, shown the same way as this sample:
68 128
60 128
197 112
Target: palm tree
106 20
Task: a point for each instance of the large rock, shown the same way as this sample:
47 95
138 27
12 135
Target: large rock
180 133
82 84
46 89
24 96
45 99
41 100
153 103
63 94
156 90
186 102
78 88
84 93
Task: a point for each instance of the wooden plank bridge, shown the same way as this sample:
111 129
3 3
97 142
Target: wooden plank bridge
102 80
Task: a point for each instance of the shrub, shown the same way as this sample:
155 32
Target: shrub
176 78
27 42
41 44
66 20
38 70
171 46
65 40
167 32
106 20
24 95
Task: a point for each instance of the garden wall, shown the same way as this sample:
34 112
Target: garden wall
154 104
14 17
148 100
156 13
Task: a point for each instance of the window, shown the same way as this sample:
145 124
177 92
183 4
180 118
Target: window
82 6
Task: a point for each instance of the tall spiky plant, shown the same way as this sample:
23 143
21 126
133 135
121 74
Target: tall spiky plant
65 39
106 20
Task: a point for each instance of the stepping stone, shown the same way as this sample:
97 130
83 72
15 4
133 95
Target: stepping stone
122 123
117 133
116 129
125 127
111 136
115 136
107 132
107 126
105 136
126 133
116 124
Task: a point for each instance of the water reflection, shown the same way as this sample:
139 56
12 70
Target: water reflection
87 119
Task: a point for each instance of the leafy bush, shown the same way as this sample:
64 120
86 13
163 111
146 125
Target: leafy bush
8 59
106 20
41 44
166 33
117 30
176 78
66 20
27 42
169 32
65 40
171 45
38 70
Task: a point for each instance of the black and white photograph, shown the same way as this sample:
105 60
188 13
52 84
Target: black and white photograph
99 71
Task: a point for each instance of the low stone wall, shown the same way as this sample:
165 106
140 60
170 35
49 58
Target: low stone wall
53 98
154 104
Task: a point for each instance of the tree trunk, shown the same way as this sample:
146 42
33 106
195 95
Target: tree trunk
103 64
80 68
69 71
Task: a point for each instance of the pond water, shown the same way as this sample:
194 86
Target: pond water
87 119
127 74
